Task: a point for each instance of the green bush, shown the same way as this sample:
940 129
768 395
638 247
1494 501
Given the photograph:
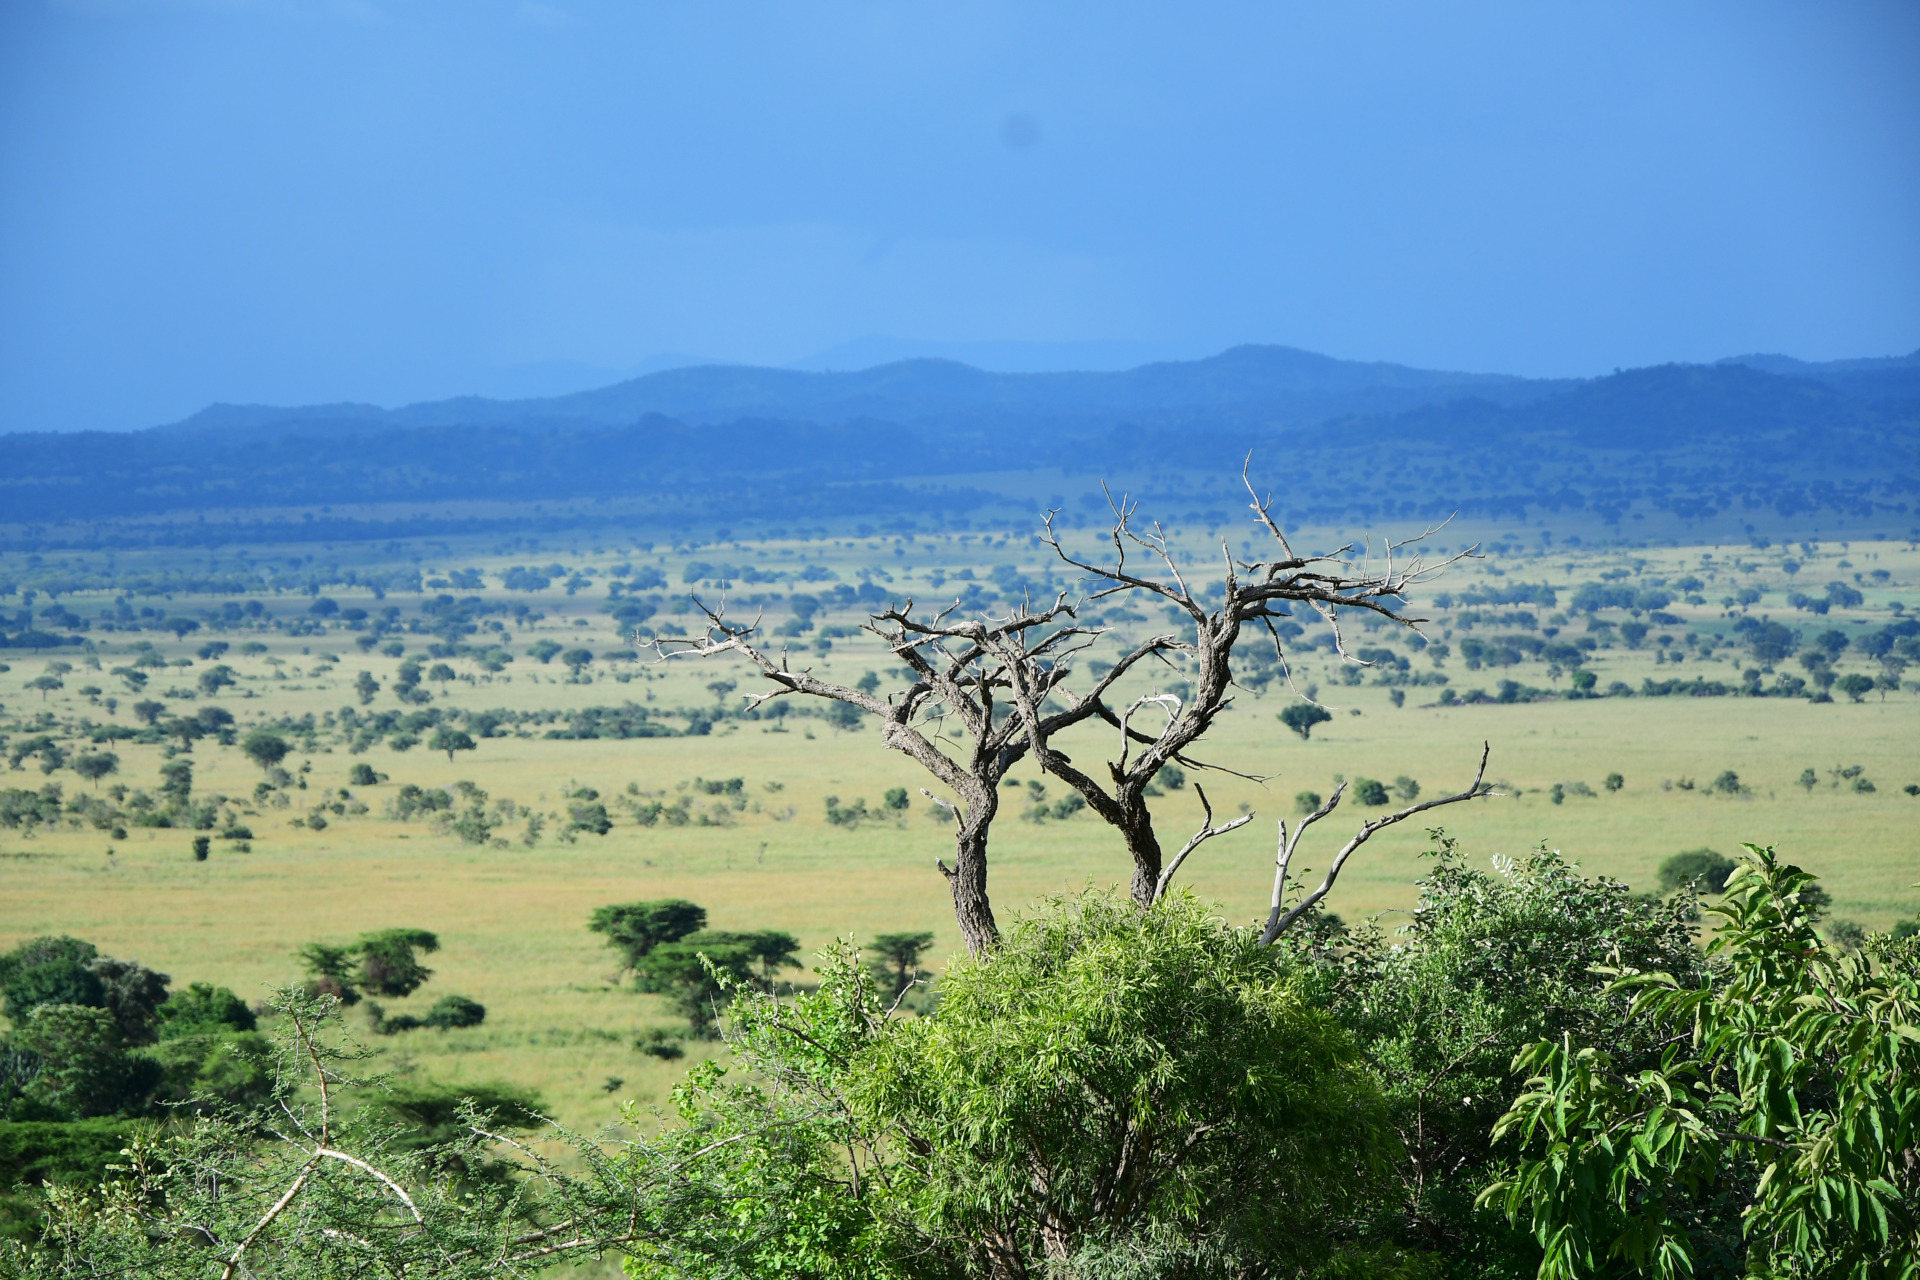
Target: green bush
1371 792
49 970
202 1007
215 1066
1621 1161
1162 1052
40 1153
1704 865
456 1011
84 1067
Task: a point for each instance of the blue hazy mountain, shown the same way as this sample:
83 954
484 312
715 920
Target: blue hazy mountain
1270 385
1354 438
1892 378
1000 357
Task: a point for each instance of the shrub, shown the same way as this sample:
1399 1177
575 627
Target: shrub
449 1012
1704 865
1622 1164
49 970
588 815
1371 792
84 1068
1098 1031
202 1007
659 1042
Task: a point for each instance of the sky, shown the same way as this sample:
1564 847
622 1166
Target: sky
299 201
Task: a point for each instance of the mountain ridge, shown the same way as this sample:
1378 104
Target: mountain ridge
1249 385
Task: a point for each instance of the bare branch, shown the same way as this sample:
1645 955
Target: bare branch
1206 832
1278 923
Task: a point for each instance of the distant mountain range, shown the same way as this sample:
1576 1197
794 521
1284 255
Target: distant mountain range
1263 386
1762 422
1273 386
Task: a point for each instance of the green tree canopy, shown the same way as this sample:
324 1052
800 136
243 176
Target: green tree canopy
451 740
49 970
896 960
1302 716
636 928
1791 1087
265 748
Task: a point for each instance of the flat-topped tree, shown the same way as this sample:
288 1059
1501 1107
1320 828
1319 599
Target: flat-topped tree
984 692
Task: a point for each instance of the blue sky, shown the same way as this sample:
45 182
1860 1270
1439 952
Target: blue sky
288 201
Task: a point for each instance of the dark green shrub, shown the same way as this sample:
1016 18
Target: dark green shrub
202 1007
49 970
659 1042
449 1012
213 1065
41 1153
1704 865
1371 792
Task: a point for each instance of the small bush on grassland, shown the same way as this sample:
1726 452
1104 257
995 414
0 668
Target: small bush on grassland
449 1012
1704 865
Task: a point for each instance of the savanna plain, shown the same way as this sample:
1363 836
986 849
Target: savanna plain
1615 686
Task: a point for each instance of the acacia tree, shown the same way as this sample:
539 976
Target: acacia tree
985 693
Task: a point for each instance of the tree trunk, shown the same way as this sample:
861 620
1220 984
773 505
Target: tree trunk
968 879
1144 846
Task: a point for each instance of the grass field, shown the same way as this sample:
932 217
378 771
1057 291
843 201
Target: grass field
512 919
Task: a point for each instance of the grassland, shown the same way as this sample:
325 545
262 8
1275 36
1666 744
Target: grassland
511 915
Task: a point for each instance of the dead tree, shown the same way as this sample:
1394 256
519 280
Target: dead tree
1001 687
960 670
1252 594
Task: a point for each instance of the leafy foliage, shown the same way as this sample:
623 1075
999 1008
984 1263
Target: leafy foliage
1490 962
636 928
1786 1058
1146 1081
700 972
48 970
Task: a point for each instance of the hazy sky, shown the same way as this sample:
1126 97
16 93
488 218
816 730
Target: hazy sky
299 200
